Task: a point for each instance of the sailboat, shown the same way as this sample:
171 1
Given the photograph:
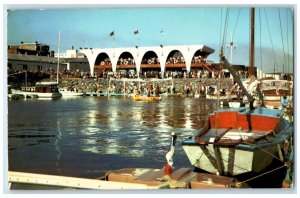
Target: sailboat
65 92
242 140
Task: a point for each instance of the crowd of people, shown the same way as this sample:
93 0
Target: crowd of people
200 73
155 60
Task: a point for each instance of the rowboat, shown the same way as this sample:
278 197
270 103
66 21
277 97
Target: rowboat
238 140
146 98
126 178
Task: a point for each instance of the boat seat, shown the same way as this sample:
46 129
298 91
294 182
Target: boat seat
209 181
151 177
182 178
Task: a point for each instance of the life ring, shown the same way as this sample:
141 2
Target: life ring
149 61
102 63
125 62
175 61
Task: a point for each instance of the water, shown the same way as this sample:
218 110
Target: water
88 136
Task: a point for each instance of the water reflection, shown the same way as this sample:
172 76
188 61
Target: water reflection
57 141
85 131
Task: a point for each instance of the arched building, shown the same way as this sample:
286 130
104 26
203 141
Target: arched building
161 58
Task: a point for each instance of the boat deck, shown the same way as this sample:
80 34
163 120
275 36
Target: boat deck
127 178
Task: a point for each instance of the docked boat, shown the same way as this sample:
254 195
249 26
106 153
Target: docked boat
67 93
238 140
146 98
218 97
40 90
127 178
273 91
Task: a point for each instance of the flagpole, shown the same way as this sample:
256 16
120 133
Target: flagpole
162 36
112 34
114 45
138 42
162 41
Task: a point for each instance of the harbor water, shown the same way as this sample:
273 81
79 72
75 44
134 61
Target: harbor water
89 136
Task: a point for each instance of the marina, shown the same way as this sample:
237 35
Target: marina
164 116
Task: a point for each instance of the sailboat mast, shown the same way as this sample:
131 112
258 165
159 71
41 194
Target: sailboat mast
251 61
57 76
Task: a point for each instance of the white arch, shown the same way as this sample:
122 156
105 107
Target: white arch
162 52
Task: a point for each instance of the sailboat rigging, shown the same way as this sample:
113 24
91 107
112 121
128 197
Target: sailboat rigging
237 141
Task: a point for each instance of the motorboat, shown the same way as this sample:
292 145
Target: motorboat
40 90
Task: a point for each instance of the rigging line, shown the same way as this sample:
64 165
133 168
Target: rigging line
225 28
275 169
282 40
236 24
274 156
271 39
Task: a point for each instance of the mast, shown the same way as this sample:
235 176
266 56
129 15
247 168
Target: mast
57 76
252 24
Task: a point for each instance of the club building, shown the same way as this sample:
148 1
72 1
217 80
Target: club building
141 59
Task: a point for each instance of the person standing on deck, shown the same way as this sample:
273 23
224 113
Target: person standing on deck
283 102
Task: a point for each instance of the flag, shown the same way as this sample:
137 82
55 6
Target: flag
112 33
136 32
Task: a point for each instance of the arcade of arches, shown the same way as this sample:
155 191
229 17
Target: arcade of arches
150 64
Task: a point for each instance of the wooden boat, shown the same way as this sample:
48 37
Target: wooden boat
127 178
238 140
273 91
40 90
146 98
243 140
67 93
218 97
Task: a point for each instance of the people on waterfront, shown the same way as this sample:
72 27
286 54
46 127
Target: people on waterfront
156 90
149 89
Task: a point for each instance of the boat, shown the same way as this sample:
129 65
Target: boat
273 91
237 140
67 93
40 90
218 97
235 104
240 141
146 98
127 178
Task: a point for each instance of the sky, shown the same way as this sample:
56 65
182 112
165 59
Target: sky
186 25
